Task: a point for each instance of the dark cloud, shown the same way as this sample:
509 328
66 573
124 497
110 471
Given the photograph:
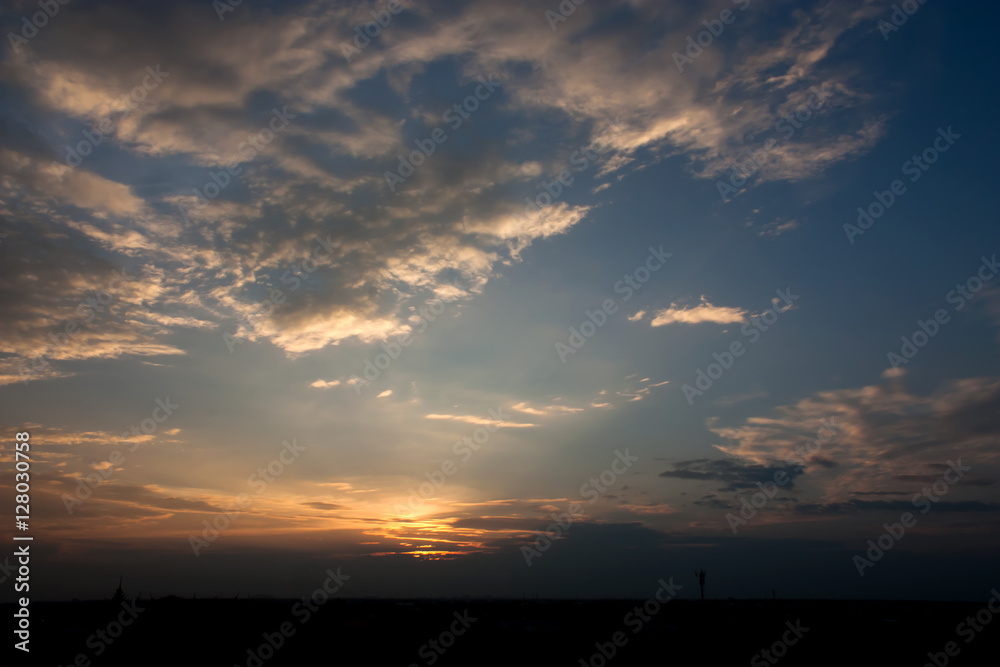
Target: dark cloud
147 497
324 506
853 506
736 474
503 523
881 493
922 479
715 504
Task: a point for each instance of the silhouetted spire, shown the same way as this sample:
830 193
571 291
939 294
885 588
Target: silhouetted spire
119 595
701 581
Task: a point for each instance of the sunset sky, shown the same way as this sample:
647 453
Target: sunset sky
541 264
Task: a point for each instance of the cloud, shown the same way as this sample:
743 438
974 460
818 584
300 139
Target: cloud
502 523
152 497
777 228
78 307
324 384
542 411
885 434
319 505
900 506
649 508
481 421
703 312
712 501
734 473
456 222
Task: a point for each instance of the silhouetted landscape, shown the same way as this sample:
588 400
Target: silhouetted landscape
499 332
549 632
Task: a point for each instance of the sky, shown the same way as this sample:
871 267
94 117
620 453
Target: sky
502 298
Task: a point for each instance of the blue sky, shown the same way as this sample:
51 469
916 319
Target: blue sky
222 313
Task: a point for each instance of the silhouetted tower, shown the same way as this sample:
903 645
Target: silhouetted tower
701 581
119 595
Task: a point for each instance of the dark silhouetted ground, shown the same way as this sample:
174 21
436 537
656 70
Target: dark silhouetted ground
192 633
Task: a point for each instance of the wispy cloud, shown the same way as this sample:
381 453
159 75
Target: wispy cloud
480 421
703 312
777 228
544 410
